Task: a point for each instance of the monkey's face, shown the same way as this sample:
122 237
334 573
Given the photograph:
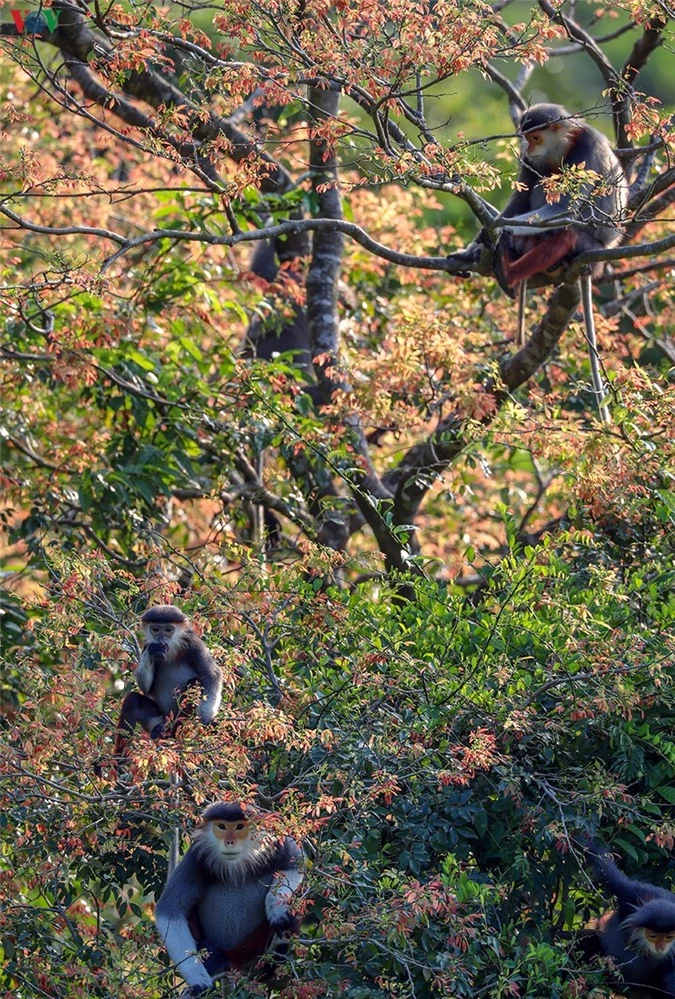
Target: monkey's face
235 841
233 848
655 942
659 943
231 837
548 145
160 632
167 635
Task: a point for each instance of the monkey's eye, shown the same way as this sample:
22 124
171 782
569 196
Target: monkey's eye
168 630
240 826
221 825
154 628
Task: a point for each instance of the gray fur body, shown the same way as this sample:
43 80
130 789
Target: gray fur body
171 679
228 908
191 663
594 150
231 911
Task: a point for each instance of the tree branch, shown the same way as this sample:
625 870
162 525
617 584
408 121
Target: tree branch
620 95
327 244
650 39
291 227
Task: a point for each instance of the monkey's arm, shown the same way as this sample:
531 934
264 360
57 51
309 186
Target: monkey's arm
667 983
181 894
286 882
625 890
549 213
145 671
518 207
593 153
519 202
208 673
263 261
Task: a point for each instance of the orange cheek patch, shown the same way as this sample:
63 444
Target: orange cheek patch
231 832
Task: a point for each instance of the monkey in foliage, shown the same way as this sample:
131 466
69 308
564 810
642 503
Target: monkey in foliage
173 659
229 896
639 936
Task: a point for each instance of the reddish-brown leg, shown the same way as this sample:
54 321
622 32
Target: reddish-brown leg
549 250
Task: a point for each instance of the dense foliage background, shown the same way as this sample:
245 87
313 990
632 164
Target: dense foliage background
440 591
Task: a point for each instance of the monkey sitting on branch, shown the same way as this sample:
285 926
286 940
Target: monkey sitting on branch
229 896
640 935
552 140
173 659
531 245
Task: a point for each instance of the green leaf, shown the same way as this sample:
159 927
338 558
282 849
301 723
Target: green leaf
141 360
627 848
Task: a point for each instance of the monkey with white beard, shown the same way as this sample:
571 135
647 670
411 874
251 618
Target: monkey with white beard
229 895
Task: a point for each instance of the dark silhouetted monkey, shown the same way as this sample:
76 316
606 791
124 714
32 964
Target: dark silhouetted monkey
640 935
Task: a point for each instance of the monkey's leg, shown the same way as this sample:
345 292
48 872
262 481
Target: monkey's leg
588 944
589 323
186 707
258 512
505 254
547 251
522 295
138 709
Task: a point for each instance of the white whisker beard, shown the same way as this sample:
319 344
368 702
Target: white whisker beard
255 857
